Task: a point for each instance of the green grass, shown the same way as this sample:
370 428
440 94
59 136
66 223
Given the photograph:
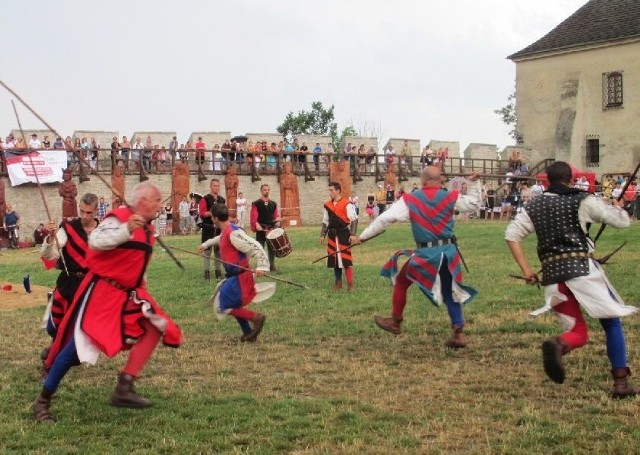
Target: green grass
322 378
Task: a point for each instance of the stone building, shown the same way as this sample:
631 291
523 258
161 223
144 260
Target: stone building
578 89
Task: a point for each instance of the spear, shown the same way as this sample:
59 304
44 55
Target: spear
242 268
44 200
82 160
347 248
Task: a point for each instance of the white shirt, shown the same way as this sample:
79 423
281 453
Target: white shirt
399 211
35 144
241 204
183 209
351 214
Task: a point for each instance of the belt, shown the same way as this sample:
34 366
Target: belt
438 242
574 254
77 274
113 283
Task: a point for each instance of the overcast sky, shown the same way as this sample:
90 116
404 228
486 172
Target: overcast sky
407 69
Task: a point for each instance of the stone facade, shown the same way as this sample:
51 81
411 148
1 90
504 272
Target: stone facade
398 145
480 152
454 147
560 107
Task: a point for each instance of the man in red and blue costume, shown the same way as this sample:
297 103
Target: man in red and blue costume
435 265
239 289
113 310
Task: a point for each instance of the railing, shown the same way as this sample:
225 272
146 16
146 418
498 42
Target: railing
206 163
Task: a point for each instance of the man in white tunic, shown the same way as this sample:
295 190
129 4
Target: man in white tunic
570 276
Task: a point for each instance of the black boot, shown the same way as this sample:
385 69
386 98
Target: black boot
207 275
552 351
41 407
124 396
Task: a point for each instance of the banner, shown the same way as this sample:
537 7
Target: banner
48 165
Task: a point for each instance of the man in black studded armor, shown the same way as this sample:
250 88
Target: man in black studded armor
571 277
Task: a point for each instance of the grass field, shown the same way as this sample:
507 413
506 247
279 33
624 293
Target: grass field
322 378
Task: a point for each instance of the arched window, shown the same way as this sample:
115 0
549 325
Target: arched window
612 88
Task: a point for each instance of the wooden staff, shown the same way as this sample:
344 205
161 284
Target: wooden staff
242 268
347 248
44 200
626 186
113 190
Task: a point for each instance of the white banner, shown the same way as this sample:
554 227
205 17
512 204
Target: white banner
48 166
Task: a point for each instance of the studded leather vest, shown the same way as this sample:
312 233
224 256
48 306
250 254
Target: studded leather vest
562 245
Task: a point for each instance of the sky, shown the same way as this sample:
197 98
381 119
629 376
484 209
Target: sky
415 69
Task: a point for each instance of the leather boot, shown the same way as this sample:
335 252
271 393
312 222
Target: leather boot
350 286
41 407
622 388
337 285
391 324
124 396
207 275
218 274
552 351
458 339
258 322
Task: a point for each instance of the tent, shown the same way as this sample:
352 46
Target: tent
577 173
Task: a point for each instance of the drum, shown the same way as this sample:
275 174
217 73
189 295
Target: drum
279 242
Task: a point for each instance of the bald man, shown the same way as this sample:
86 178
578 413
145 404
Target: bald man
112 310
434 266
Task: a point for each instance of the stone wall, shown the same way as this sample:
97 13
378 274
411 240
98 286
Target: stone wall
27 202
159 138
454 147
398 145
481 152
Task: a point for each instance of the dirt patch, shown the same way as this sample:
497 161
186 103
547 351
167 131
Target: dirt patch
17 297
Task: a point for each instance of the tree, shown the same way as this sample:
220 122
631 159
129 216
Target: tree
318 121
509 115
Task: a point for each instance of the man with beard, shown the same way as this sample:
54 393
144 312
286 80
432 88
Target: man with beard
265 216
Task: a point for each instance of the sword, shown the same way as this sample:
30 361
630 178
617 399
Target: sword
603 260
454 239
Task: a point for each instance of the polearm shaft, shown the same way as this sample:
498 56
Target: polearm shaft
242 268
82 161
626 186
335 253
44 200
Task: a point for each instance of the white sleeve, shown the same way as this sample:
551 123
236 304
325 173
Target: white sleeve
470 202
109 234
519 228
398 211
248 245
49 250
325 216
351 212
596 210
211 242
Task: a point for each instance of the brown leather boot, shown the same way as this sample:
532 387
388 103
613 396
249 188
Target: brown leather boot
552 351
337 285
391 324
124 396
622 388
41 406
350 286
457 340
258 322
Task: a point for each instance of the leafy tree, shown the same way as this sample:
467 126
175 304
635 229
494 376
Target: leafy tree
509 116
318 121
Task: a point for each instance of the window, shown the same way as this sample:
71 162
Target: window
612 90
593 151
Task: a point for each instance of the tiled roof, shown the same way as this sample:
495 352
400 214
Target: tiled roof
598 21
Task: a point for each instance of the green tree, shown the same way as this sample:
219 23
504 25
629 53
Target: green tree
509 116
318 121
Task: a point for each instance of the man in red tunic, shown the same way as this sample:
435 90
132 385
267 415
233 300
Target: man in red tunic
239 289
113 310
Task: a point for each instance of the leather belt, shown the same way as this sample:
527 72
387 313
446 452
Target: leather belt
574 254
77 274
113 283
438 242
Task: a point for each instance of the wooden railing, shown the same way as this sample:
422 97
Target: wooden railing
309 165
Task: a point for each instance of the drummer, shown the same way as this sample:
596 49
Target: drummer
265 216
